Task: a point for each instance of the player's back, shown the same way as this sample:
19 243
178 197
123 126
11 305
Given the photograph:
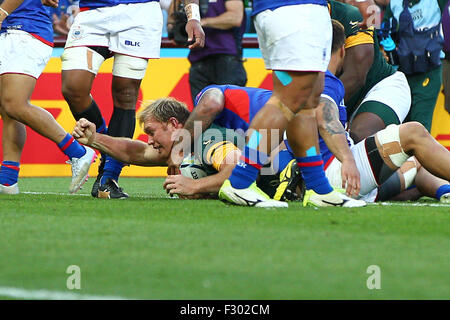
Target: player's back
241 105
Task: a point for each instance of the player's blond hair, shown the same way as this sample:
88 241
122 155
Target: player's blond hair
163 109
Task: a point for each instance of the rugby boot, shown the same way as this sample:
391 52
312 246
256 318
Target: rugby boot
250 197
12 189
111 190
80 169
332 199
290 178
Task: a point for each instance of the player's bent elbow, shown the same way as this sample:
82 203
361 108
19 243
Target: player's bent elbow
209 106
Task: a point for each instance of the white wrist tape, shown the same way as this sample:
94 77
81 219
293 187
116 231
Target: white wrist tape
4 11
192 11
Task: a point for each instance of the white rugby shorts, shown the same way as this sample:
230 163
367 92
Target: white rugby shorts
133 29
22 53
394 92
368 182
295 37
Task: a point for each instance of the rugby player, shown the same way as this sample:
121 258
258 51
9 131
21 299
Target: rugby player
26 41
216 149
221 107
379 156
295 41
376 94
130 31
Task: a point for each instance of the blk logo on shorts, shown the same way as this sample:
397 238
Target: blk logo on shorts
132 43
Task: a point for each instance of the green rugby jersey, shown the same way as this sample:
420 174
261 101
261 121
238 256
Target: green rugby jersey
214 145
349 16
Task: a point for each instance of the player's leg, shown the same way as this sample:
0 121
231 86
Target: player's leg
13 140
127 76
265 133
365 124
432 186
79 69
16 92
395 187
417 141
135 38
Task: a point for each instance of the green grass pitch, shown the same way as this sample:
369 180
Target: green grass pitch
154 247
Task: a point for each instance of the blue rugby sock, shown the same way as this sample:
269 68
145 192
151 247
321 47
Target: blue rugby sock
442 190
112 170
71 148
314 175
247 168
9 173
282 159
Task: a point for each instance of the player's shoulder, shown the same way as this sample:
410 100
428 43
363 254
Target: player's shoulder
205 89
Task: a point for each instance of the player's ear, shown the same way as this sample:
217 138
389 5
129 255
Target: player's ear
174 122
342 52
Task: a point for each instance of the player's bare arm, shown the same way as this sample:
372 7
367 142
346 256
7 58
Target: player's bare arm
123 149
7 7
333 133
357 63
229 19
209 106
193 26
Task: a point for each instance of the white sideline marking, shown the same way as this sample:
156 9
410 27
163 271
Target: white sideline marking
50 295
411 204
56 193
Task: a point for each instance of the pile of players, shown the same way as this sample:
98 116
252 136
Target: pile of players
260 148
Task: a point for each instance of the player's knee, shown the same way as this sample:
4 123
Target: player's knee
390 146
125 96
13 107
411 133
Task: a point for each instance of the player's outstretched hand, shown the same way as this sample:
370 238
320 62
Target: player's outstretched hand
50 3
350 178
195 33
84 131
180 185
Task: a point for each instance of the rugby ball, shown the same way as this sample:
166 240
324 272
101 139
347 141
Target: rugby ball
192 168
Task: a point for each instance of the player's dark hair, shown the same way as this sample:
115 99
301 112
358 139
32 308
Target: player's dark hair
163 109
338 35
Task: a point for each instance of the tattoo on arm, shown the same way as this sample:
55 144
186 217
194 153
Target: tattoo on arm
331 117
